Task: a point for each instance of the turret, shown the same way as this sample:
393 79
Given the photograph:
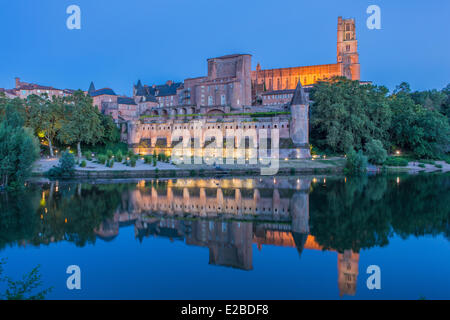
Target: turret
91 88
299 128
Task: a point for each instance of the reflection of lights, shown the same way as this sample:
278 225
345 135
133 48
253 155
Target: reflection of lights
324 180
65 220
397 152
345 180
398 180
314 180
286 159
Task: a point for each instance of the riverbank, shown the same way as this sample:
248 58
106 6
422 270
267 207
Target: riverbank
162 169
286 167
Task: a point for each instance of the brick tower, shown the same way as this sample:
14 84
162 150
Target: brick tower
347 49
299 129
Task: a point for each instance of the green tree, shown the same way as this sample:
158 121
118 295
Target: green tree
45 117
23 289
375 152
356 162
423 131
346 115
19 148
82 123
13 111
110 129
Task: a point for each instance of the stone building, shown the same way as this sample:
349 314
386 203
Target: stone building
24 89
231 95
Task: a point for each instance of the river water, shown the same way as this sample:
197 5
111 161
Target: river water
296 237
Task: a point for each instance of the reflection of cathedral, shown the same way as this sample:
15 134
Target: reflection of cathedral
228 216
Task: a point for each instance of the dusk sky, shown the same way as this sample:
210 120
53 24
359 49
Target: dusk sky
123 41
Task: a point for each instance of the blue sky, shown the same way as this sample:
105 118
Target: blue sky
122 41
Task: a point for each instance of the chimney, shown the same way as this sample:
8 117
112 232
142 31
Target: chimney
17 82
169 83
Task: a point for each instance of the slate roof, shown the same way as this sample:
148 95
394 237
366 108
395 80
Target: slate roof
162 90
91 88
104 91
286 91
125 100
149 98
139 89
299 97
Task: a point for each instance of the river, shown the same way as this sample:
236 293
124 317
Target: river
293 237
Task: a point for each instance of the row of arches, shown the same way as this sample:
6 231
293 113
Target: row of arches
166 112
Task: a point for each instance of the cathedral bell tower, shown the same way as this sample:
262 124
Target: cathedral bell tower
347 49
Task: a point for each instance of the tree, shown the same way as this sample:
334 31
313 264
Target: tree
423 131
46 117
111 132
346 114
356 162
12 111
19 148
375 152
23 289
81 122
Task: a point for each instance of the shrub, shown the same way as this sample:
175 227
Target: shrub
66 166
67 162
83 164
111 163
88 155
154 161
133 161
109 154
421 165
148 159
375 152
438 166
119 156
356 162
396 162
101 158
130 153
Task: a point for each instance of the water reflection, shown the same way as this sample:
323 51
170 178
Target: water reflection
229 216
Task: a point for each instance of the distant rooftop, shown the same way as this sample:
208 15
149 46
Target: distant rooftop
104 91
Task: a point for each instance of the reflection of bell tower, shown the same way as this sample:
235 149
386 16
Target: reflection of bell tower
347 49
347 272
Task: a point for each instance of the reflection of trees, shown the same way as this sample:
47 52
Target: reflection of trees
360 213
364 211
75 217
73 213
421 205
18 219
